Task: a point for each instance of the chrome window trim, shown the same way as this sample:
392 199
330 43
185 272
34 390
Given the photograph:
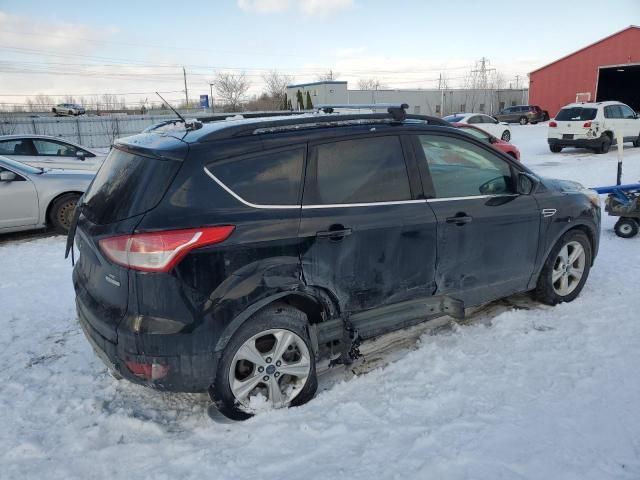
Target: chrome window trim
346 205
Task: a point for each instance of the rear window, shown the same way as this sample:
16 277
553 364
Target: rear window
360 171
267 179
576 113
127 185
453 118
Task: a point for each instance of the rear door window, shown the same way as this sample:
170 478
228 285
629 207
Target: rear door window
364 170
16 147
612 111
272 178
127 185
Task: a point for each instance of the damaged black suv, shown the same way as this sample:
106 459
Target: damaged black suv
232 255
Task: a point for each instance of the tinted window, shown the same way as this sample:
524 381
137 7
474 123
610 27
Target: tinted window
360 171
488 119
576 113
612 111
16 147
127 185
461 169
268 179
45 147
475 119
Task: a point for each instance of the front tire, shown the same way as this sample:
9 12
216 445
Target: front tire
566 269
269 360
506 136
61 212
626 227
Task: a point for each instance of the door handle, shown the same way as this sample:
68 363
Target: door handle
337 234
459 219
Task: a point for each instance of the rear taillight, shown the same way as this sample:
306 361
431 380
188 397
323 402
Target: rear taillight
587 125
160 251
553 124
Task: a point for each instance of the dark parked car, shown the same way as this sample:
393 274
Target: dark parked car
523 114
231 256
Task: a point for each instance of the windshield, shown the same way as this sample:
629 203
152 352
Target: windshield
12 164
576 113
127 185
453 118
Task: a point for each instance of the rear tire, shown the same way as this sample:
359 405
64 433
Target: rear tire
626 227
61 212
274 318
551 292
545 116
555 148
523 120
605 145
636 142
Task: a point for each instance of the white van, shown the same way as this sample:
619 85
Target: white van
593 125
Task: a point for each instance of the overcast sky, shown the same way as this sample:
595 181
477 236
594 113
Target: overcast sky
135 47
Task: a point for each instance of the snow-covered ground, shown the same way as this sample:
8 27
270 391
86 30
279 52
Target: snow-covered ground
520 391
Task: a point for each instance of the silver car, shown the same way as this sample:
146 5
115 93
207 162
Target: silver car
50 152
32 198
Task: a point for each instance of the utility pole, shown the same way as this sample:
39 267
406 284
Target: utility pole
517 81
441 95
211 97
186 92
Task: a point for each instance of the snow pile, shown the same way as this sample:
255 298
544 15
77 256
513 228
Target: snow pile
517 393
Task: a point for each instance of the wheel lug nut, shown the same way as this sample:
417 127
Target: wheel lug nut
265 378
278 363
268 359
261 369
277 374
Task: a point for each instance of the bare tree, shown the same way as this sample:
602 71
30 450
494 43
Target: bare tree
371 84
231 88
328 75
40 103
275 88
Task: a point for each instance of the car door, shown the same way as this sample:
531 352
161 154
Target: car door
614 120
58 154
631 123
487 233
18 201
369 240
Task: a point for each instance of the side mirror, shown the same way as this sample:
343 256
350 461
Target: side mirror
6 176
81 155
526 183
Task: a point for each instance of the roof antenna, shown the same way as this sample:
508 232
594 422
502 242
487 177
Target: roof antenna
174 110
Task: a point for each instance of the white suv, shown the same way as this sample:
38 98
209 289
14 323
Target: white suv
593 125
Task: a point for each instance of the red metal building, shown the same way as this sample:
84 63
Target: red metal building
606 70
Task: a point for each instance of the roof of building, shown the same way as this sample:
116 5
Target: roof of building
321 82
630 27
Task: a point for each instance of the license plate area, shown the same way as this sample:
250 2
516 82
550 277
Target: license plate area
567 136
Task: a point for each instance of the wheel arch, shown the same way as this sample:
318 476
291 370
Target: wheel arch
51 201
317 304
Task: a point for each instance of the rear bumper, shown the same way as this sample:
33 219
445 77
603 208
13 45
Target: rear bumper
184 372
576 142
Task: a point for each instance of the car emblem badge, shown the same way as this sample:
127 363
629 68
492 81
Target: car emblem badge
111 279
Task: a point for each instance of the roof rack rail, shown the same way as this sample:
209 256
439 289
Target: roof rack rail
312 120
397 110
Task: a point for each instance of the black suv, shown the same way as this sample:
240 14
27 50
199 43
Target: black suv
233 255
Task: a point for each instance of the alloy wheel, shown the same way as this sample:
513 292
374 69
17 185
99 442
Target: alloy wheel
275 363
568 268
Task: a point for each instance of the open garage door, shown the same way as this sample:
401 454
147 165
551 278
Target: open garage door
621 83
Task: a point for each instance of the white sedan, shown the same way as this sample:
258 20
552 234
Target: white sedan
41 151
483 122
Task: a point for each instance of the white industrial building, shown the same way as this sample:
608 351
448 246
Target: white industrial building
421 101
